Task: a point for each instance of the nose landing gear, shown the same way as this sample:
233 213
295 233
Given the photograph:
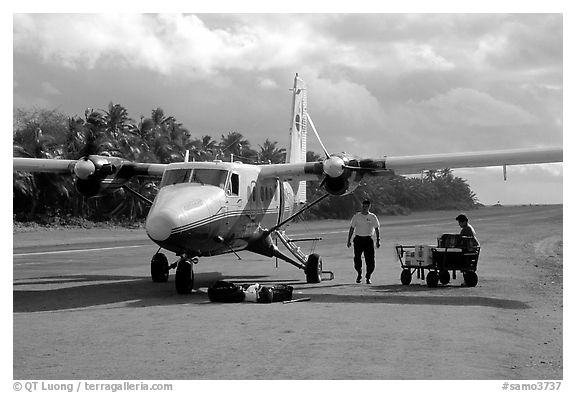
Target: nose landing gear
185 275
184 280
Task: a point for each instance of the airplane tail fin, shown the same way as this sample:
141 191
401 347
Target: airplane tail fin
298 132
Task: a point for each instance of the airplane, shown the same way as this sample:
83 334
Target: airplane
205 209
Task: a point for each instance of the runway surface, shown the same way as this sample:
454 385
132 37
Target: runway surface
86 308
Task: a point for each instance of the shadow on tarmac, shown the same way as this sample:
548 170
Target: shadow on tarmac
95 290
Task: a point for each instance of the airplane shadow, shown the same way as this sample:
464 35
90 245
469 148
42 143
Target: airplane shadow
98 290
102 290
388 294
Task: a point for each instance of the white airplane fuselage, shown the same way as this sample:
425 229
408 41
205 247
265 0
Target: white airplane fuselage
211 208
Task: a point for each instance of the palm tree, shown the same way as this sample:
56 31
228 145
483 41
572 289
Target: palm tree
167 137
235 144
203 149
41 191
270 153
430 175
120 131
445 173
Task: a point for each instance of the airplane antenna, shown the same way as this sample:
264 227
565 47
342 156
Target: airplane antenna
317 136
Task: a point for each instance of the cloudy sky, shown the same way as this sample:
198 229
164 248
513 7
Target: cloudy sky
378 84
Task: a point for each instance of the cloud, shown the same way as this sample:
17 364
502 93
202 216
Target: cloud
49 89
267 84
167 44
471 108
418 56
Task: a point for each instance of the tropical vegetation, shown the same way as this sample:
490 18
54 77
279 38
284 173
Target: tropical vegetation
159 138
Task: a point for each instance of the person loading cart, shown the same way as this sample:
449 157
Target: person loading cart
364 224
468 231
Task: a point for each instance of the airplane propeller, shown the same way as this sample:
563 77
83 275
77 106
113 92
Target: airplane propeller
84 167
335 165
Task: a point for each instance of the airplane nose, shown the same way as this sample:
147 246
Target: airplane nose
160 226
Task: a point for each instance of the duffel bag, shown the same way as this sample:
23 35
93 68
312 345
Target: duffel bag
225 292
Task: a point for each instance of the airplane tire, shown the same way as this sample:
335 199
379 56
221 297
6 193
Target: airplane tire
406 277
470 279
432 279
313 269
159 269
444 277
184 277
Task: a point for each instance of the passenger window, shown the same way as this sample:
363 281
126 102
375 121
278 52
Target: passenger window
235 183
254 189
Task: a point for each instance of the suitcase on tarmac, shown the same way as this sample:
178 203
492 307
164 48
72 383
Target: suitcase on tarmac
226 292
282 293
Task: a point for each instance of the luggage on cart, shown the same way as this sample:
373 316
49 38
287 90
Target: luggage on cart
453 253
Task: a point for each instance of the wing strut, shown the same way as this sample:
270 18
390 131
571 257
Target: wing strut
317 135
293 216
137 194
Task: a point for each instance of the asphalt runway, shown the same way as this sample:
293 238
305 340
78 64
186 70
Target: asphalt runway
85 308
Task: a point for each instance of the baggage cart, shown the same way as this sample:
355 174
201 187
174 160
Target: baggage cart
453 253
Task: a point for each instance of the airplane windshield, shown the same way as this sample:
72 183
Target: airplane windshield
213 177
175 176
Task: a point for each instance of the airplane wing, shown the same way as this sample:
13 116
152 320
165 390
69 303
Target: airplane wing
69 166
405 165
309 171
94 174
43 165
340 173
336 165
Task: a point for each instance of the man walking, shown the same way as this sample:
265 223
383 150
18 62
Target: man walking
364 224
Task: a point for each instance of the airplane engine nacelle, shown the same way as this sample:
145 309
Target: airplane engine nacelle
97 175
90 187
346 183
340 179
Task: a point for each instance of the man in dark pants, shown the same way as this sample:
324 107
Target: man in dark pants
364 224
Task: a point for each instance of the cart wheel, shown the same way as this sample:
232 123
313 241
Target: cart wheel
470 279
432 279
406 277
444 277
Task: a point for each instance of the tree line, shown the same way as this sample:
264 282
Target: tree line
159 138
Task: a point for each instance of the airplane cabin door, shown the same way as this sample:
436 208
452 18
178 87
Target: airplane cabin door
281 201
233 199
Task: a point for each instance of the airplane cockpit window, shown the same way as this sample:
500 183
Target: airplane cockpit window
175 176
213 177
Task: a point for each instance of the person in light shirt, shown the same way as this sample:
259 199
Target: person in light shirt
364 224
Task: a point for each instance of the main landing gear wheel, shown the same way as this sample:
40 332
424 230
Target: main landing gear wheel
184 277
432 279
159 268
313 269
406 277
444 277
470 279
